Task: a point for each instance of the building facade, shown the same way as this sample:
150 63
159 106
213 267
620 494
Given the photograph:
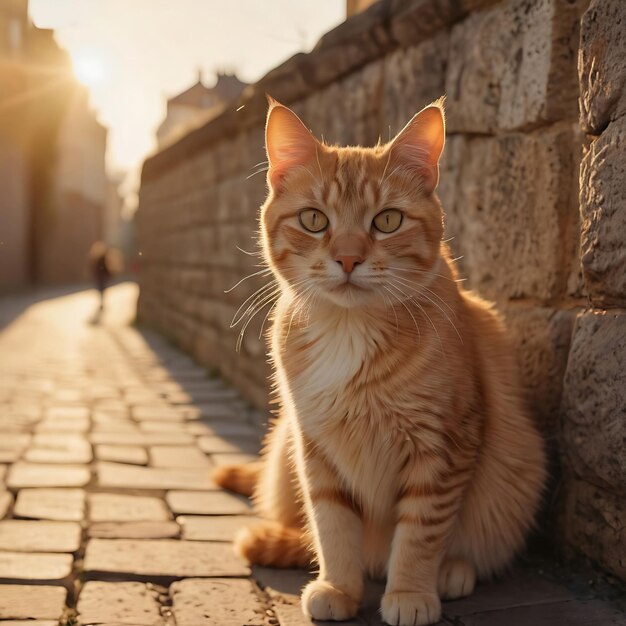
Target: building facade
52 172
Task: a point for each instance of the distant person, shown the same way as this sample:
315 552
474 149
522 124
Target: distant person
100 268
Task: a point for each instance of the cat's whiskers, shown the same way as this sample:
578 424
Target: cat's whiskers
394 295
250 299
420 286
415 269
420 293
267 270
424 313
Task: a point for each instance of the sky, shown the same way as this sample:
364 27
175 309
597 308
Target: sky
134 54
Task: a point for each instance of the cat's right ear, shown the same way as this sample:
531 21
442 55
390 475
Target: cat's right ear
288 142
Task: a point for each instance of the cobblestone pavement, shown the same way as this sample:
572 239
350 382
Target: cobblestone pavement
107 512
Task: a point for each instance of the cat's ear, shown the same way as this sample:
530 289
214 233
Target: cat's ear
420 143
288 141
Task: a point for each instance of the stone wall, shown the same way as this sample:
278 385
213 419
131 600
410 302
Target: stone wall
537 232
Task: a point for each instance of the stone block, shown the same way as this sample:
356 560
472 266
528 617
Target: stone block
39 536
413 78
51 504
119 603
354 101
161 560
16 602
594 400
541 337
43 475
134 530
593 523
603 213
113 507
601 66
511 211
513 67
218 602
213 503
121 476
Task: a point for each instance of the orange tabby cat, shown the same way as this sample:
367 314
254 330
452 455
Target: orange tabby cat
402 447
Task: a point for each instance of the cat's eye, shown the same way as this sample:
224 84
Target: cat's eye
313 220
388 221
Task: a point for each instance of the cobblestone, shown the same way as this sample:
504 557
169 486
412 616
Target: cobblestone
51 504
213 503
119 603
161 559
39 536
111 507
16 602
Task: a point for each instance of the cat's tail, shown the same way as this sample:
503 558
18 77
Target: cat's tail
238 478
273 545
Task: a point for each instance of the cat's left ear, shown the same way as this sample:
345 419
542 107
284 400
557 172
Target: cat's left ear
420 143
288 141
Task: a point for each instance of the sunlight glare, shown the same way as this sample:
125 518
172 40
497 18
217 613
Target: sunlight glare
90 68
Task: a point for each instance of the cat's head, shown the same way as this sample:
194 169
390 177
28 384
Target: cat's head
355 225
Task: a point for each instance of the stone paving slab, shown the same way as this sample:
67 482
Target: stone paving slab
71 426
51 504
47 475
73 450
232 445
112 507
124 476
211 503
160 560
179 456
141 438
221 428
217 602
25 567
67 412
39 536
213 527
163 427
134 455
134 530
16 602
130 603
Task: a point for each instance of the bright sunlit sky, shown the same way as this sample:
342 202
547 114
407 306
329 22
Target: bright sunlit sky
133 54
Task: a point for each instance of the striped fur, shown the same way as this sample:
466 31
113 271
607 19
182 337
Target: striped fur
402 448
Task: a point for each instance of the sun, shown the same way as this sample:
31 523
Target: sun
90 68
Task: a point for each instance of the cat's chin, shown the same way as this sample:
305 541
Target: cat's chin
349 296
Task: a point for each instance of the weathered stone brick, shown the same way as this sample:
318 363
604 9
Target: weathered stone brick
603 212
413 78
593 523
594 400
510 205
513 66
601 64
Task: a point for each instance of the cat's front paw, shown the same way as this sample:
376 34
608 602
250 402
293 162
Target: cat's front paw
320 600
406 608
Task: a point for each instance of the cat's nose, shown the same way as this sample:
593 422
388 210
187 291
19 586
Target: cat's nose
348 262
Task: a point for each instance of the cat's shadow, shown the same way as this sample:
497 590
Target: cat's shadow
284 587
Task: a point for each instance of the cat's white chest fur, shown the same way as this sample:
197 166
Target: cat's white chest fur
338 345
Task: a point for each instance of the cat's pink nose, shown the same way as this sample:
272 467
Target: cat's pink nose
348 262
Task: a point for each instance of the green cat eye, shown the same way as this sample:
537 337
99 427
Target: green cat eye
388 221
313 220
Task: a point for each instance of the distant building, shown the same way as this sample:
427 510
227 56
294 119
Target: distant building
196 105
52 175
